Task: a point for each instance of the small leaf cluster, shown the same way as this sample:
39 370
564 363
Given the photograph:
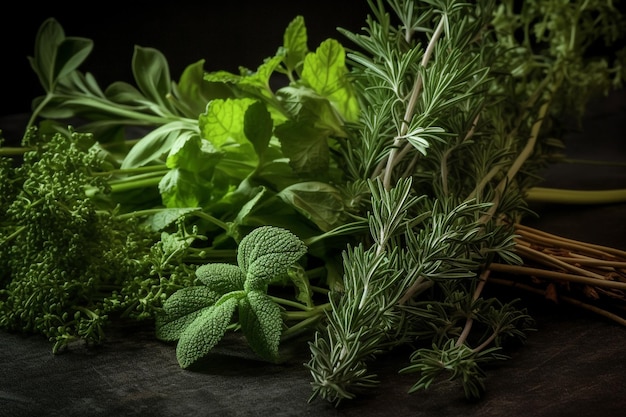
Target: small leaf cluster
198 316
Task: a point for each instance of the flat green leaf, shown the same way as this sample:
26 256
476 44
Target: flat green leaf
220 277
181 308
266 253
223 121
295 42
205 332
319 202
305 146
167 217
152 75
194 92
304 292
124 93
261 323
156 144
182 188
305 105
258 126
71 53
49 37
325 72
193 154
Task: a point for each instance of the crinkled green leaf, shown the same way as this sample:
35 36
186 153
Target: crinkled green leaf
261 323
266 253
325 71
258 82
180 309
319 202
205 332
220 277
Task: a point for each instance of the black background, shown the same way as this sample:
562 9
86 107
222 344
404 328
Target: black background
227 34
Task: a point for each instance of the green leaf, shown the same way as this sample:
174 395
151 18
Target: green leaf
306 105
71 53
220 277
325 72
305 146
267 253
166 217
191 153
295 42
256 84
205 332
57 55
182 188
298 277
258 126
124 93
317 201
49 36
194 93
223 122
152 75
181 308
261 323
156 144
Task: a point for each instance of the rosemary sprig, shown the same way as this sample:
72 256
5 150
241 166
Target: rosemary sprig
460 106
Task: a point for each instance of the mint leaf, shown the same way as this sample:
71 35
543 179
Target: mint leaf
305 146
261 323
319 202
258 126
223 122
191 153
295 42
325 72
167 217
194 93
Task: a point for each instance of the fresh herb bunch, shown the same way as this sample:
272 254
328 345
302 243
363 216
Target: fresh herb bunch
221 154
459 104
367 199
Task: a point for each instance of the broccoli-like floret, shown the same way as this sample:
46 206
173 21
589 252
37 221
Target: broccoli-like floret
70 264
